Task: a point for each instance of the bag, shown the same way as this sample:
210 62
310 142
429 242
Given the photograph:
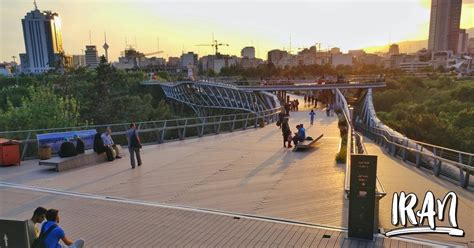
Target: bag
309 138
39 242
134 141
278 123
109 153
290 138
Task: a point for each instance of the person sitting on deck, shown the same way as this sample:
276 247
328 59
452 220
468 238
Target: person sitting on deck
300 135
52 233
67 149
109 142
79 145
38 218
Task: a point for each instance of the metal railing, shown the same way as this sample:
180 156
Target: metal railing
452 164
153 132
355 145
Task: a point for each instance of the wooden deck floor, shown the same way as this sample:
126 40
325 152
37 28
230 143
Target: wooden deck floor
248 173
105 223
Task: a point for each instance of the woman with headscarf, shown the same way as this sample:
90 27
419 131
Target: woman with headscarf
286 132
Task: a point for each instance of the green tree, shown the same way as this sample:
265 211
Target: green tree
41 109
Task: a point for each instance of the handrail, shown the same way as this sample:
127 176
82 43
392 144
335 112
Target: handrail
428 145
453 164
179 125
342 104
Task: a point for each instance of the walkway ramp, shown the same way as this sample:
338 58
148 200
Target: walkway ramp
245 172
397 177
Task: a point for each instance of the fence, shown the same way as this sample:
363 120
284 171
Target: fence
452 164
154 132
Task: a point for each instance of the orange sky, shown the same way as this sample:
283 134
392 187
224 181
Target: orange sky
180 25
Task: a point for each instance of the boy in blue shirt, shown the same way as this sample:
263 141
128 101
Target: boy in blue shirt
57 233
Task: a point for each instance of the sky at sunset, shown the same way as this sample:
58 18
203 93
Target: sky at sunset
181 25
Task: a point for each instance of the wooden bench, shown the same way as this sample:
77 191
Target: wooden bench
305 144
80 160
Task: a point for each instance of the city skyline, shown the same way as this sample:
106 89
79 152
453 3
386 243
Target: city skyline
179 27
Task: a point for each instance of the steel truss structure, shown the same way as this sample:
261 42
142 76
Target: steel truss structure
205 98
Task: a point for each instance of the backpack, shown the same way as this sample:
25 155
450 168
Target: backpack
39 242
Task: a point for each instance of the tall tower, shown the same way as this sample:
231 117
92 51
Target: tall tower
106 47
43 40
444 25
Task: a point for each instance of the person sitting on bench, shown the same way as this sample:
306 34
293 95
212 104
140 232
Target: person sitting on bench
79 145
109 142
100 148
67 149
300 135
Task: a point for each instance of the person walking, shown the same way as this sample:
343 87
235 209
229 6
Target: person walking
311 116
134 145
286 132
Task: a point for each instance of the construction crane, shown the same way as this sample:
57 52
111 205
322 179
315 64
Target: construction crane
153 53
215 45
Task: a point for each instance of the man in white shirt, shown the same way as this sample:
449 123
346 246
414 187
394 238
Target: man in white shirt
108 141
38 217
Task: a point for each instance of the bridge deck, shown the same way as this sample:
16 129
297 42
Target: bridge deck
397 177
105 223
242 172
246 172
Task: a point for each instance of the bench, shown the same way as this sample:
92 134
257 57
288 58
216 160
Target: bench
80 160
305 144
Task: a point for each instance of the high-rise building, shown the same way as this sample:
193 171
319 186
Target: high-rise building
43 40
188 59
274 56
463 41
393 49
92 59
444 25
78 61
248 52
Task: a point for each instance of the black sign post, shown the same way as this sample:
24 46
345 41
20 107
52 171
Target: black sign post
13 233
362 196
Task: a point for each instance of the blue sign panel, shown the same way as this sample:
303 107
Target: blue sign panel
54 140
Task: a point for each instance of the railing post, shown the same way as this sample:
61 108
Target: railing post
163 132
405 154
184 130
201 132
437 167
244 127
463 178
233 123
219 125
157 133
25 146
418 158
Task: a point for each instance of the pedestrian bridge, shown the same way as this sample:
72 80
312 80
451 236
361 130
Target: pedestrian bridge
237 188
234 184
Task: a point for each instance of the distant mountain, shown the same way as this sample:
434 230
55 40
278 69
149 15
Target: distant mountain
409 46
